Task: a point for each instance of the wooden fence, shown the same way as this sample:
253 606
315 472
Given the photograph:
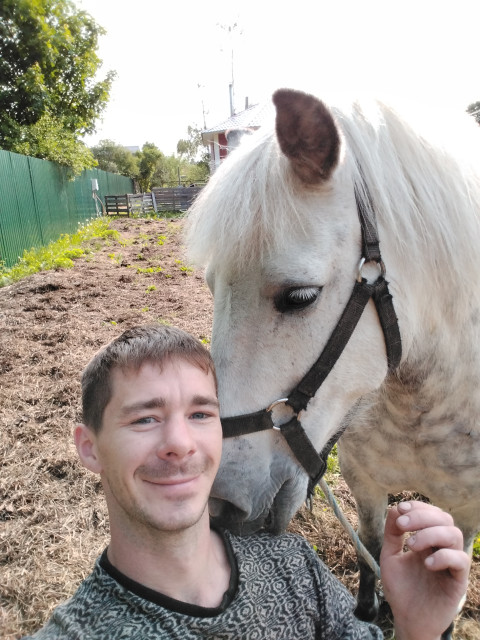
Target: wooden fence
117 205
175 198
160 199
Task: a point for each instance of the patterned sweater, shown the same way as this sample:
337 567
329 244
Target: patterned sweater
279 590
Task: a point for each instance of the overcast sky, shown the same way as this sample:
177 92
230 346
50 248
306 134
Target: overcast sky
174 58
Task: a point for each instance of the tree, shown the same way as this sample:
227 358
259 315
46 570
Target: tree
189 148
193 151
49 140
48 62
150 164
115 158
474 110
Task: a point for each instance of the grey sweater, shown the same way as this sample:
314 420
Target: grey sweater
279 590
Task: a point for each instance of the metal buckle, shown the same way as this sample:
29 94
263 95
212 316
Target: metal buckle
270 408
361 264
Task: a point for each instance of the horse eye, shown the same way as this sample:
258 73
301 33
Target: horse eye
295 299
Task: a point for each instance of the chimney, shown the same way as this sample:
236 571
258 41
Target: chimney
246 103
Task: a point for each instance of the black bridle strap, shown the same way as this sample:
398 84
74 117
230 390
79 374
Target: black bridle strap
388 320
315 463
293 432
246 424
313 379
310 383
304 451
370 240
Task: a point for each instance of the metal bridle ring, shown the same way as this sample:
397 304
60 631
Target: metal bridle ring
271 407
274 404
361 264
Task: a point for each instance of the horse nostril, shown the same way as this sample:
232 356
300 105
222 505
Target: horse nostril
225 511
216 506
226 515
269 524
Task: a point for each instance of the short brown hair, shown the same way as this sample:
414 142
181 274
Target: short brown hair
149 343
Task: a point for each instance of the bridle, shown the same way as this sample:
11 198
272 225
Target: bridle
315 463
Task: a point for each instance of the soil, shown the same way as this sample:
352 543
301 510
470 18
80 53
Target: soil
53 518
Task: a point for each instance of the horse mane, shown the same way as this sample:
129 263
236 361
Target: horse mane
424 181
248 206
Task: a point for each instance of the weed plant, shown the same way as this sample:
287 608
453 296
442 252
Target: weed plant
58 254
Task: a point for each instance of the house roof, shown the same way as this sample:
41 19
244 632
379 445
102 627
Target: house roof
255 116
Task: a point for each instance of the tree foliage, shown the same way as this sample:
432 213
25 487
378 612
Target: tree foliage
188 148
149 167
192 148
48 64
150 163
196 155
116 159
474 110
48 139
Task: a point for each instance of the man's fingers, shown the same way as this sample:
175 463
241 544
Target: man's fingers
447 537
456 562
431 527
419 515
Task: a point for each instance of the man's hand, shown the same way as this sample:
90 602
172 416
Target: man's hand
425 584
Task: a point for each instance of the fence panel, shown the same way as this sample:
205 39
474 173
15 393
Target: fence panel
39 201
175 199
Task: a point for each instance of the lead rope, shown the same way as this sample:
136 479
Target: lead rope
357 543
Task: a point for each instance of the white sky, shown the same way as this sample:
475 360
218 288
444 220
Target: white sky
174 59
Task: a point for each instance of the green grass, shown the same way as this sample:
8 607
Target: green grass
160 215
476 547
58 254
333 465
184 267
149 269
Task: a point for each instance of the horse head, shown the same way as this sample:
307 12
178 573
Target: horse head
278 229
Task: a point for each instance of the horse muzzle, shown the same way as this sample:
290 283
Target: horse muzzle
226 515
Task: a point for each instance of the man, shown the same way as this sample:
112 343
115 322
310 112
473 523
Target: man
152 431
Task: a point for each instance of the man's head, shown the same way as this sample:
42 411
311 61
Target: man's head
151 430
156 344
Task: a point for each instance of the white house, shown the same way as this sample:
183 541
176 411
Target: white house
225 136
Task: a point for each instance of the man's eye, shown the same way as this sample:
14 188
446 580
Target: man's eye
147 420
199 415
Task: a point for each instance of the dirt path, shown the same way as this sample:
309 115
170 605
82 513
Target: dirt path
53 519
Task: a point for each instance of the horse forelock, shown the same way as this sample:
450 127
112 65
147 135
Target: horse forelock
250 209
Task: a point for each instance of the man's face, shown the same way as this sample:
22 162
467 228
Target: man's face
159 447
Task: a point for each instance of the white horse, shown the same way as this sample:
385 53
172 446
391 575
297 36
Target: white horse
278 230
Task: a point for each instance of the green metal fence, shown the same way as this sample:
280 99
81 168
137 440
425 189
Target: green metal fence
39 201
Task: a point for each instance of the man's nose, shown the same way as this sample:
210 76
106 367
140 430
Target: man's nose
176 439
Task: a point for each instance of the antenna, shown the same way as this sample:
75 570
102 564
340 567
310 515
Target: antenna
232 83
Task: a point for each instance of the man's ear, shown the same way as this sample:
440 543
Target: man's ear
86 443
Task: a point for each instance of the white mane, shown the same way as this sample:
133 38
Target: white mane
425 184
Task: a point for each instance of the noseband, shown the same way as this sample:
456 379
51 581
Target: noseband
315 463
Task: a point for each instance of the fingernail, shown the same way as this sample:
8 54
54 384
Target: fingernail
403 521
404 506
411 541
429 561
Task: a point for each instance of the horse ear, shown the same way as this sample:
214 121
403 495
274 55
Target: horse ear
307 135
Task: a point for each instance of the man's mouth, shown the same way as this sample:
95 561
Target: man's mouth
175 480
